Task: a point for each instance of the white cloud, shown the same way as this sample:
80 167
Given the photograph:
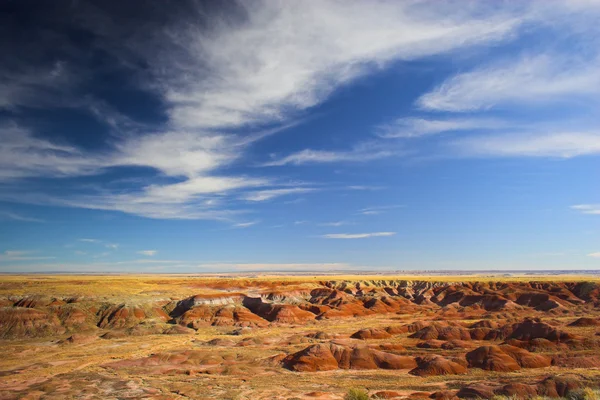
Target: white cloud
263 195
419 127
361 153
23 155
112 246
560 144
376 210
365 187
90 240
336 223
148 253
289 56
280 59
537 79
18 217
245 224
595 255
587 208
357 235
21 255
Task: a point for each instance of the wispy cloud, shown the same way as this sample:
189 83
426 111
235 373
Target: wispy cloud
148 253
587 208
594 255
271 65
18 217
365 187
258 71
529 79
376 210
21 255
264 195
560 144
361 153
112 246
245 224
357 235
90 240
419 127
336 223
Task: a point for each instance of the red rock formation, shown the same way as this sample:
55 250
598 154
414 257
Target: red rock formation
324 357
505 358
371 333
437 365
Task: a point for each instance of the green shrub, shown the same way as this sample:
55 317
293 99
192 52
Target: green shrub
356 394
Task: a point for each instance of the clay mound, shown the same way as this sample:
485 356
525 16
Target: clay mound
196 317
440 332
371 333
326 357
237 316
389 347
19 322
187 360
559 386
518 390
34 302
178 330
396 330
436 365
346 310
505 358
318 357
75 317
294 339
541 301
386 304
584 321
576 361
79 339
220 342
431 344
482 333
122 316
485 323
278 313
537 345
320 335
444 395
116 334
476 391
457 344
416 326
531 329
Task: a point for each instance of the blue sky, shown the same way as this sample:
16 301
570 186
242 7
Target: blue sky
300 136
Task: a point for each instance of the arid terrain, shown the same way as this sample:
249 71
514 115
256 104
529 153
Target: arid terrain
269 337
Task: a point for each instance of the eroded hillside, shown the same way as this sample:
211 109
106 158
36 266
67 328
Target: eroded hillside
177 337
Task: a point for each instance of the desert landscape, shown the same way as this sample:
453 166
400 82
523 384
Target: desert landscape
287 337
299 200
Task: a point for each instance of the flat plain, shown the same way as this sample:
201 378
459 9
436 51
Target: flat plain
298 337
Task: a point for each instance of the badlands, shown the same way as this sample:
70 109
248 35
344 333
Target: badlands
284 337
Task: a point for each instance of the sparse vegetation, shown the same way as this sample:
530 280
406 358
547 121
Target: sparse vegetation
356 394
584 394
